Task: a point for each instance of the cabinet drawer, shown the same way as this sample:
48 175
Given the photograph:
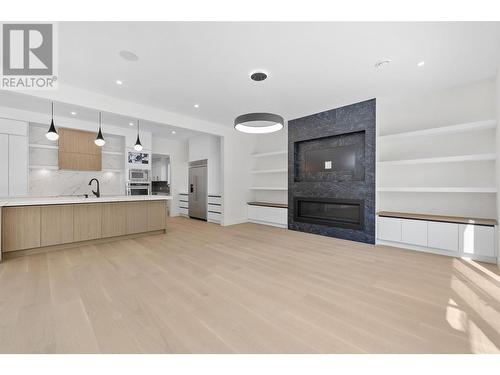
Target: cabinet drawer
477 240
214 217
268 214
214 200
443 235
184 211
414 232
389 229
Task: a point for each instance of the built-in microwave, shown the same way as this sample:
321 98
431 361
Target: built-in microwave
138 175
138 188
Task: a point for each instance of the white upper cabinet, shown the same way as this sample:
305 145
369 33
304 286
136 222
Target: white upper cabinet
13 158
18 165
4 165
13 127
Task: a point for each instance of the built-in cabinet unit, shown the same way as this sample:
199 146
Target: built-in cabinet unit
13 158
77 150
269 181
476 241
27 227
214 209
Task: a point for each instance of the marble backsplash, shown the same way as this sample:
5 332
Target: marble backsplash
46 182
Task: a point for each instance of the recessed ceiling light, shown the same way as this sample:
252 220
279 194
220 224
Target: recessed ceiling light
421 63
258 76
196 106
73 113
173 131
131 123
382 63
128 55
118 82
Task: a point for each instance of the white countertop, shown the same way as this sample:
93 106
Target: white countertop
35 201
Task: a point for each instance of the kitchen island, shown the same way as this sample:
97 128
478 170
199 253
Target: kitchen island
32 224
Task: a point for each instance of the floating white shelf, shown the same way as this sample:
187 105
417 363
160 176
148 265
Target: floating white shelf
282 152
491 190
51 167
112 170
268 188
257 171
112 153
444 159
49 147
469 126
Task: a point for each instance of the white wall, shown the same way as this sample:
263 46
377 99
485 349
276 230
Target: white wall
497 167
208 147
178 152
236 166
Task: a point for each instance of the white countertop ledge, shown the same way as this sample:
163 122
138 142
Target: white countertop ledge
37 201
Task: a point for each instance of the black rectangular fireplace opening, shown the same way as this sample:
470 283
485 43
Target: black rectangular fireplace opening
342 213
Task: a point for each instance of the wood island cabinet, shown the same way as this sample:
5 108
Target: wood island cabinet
29 227
56 224
87 220
20 228
114 219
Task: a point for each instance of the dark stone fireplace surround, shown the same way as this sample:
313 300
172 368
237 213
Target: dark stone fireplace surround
335 204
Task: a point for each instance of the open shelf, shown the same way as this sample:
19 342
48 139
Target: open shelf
469 126
259 155
257 171
444 159
49 147
112 153
269 188
111 170
491 190
51 167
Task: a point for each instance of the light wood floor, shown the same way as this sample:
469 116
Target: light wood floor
202 288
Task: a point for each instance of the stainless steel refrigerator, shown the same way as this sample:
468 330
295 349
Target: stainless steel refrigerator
198 189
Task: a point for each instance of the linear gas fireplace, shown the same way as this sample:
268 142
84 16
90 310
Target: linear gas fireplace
342 213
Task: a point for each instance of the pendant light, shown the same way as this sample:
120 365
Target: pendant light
138 145
259 123
52 133
99 141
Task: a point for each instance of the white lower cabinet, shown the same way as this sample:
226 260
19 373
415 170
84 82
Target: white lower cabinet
268 215
414 232
474 241
389 229
477 240
443 235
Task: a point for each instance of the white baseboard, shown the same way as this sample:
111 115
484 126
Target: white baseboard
431 250
278 225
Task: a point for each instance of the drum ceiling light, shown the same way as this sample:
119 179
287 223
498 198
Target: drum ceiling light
259 123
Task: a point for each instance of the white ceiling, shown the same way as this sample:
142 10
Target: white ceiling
36 104
312 66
